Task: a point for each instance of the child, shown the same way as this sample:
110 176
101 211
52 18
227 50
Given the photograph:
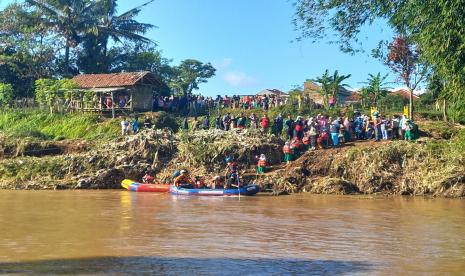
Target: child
288 152
261 166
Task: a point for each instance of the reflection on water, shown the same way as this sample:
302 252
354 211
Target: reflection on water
113 231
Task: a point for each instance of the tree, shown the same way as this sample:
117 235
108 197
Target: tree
325 82
366 96
6 94
141 57
376 86
27 50
118 28
435 26
189 74
404 60
49 91
336 83
69 18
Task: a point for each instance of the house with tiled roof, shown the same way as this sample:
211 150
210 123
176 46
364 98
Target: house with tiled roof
404 94
272 92
312 90
131 91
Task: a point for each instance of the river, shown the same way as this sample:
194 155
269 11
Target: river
118 232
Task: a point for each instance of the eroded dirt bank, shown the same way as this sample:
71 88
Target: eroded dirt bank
430 166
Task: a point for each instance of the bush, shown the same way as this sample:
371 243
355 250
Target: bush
6 94
165 120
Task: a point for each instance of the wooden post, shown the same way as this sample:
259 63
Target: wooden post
112 104
131 100
444 110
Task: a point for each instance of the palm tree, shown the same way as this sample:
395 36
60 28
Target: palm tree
119 27
336 83
69 18
366 96
325 87
377 86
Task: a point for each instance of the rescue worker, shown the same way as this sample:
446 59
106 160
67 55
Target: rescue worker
261 166
231 175
288 152
183 180
148 177
216 183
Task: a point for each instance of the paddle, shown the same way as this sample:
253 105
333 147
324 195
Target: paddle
238 185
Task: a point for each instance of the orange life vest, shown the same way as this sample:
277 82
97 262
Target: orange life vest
306 141
261 163
296 144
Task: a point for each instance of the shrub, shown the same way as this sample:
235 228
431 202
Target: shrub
6 94
165 120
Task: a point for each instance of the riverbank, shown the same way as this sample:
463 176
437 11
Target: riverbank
97 158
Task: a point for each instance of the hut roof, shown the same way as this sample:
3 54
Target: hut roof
268 92
404 93
116 80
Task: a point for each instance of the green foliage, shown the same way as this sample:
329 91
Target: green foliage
376 87
392 102
6 94
165 120
189 74
336 83
325 87
330 85
49 91
120 28
56 126
434 26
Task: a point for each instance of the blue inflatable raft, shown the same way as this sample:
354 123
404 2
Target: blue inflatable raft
248 190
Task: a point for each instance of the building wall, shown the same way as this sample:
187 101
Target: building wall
142 98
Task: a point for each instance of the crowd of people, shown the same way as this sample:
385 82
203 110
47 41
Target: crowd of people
301 134
196 103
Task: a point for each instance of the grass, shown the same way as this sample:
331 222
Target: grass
45 126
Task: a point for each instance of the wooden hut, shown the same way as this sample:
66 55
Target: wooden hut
127 91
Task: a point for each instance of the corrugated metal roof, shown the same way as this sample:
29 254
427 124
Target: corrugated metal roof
111 80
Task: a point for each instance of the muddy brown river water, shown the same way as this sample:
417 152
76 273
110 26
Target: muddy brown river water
118 232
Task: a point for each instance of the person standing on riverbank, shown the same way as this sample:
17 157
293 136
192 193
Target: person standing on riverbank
253 121
278 125
226 121
289 127
261 166
264 123
148 122
135 125
288 152
185 124
124 126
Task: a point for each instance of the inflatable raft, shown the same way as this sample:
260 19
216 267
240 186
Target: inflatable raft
248 190
140 187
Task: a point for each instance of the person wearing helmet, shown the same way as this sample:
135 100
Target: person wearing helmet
232 178
216 182
148 177
183 180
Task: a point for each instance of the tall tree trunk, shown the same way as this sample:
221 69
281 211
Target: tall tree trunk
410 111
444 110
